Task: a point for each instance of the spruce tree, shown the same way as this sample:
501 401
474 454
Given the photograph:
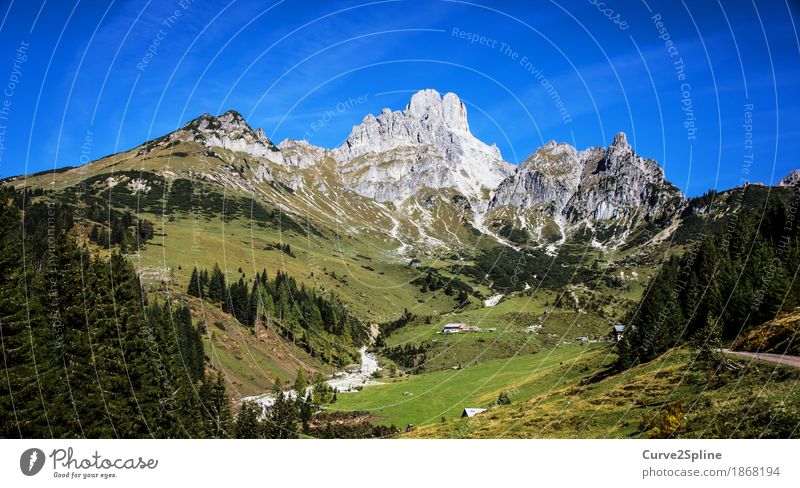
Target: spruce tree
216 286
282 419
248 421
216 410
203 284
300 384
194 284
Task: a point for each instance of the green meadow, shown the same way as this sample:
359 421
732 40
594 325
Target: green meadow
430 397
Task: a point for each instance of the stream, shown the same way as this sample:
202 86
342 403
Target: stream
341 381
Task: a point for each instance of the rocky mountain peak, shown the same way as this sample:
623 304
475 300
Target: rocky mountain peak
429 139
551 153
228 131
423 100
428 118
598 185
790 179
429 104
231 123
232 117
301 153
620 147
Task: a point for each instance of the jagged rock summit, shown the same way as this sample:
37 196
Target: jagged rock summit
571 188
396 154
790 179
228 131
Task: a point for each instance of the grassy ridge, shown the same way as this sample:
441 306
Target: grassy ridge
777 336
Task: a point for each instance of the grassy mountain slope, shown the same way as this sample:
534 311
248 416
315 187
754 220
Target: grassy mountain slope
642 402
250 361
215 205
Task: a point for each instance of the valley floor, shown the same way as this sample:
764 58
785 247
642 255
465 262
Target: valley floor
568 392
428 398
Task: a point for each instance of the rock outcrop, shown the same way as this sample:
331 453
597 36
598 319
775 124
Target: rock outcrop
596 186
790 179
228 131
428 145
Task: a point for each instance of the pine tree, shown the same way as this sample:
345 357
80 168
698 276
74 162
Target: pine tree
248 421
216 286
194 284
300 384
215 405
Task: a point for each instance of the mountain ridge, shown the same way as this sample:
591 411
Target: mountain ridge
416 164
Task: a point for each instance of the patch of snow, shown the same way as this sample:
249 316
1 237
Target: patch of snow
493 300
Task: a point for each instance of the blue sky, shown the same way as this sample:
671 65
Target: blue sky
100 77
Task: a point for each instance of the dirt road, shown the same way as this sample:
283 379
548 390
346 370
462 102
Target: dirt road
772 358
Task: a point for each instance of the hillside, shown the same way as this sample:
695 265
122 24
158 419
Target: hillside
668 397
251 361
778 336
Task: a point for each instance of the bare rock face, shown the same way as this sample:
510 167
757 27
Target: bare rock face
547 179
599 185
790 179
428 149
302 154
620 185
428 145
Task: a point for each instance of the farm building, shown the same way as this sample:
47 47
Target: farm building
471 412
453 327
456 327
618 332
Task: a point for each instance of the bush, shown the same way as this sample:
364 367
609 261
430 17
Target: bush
503 399
668 424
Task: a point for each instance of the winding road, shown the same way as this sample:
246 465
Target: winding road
763 356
